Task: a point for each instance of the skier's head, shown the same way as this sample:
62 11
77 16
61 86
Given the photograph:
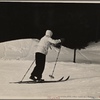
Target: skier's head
49 33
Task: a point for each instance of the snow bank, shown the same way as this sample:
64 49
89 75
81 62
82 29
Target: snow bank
24 49
18 49
93 46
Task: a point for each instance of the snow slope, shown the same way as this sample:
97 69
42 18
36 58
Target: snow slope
17 56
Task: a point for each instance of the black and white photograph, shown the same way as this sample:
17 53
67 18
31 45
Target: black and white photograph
49 50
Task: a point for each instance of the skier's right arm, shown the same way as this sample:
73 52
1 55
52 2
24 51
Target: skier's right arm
54 41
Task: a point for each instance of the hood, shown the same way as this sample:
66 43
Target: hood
48 33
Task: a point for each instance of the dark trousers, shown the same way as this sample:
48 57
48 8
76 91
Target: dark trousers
40 65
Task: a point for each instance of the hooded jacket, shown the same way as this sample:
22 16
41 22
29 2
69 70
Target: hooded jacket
45 42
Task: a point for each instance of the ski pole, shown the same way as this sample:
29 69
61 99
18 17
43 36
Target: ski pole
55 64
27 71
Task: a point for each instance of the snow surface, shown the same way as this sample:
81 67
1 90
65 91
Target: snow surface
17 56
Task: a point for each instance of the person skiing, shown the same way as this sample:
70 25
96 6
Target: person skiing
40 55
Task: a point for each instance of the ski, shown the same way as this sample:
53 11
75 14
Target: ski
66 79
45 81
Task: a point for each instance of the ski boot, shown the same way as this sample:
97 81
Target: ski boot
33 78
39 80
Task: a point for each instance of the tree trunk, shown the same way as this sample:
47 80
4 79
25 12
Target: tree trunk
74 59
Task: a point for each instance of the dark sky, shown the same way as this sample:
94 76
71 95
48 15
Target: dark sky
77 23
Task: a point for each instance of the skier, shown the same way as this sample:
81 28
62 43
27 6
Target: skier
40 55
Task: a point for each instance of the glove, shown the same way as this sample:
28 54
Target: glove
62 40
58 45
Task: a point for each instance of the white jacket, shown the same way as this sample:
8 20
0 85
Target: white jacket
45 43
